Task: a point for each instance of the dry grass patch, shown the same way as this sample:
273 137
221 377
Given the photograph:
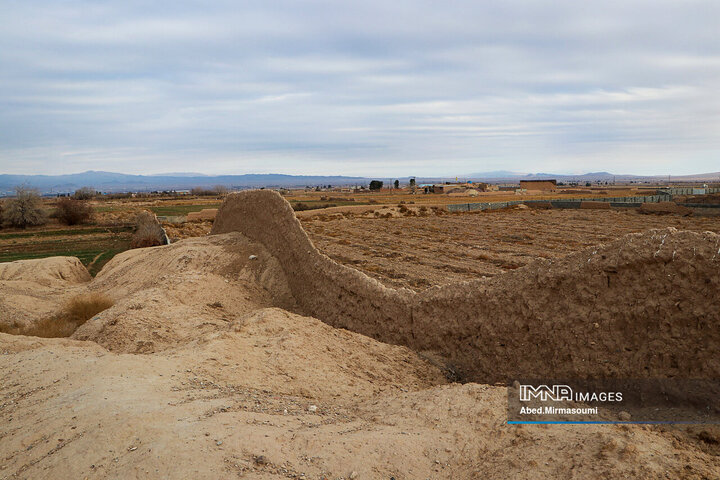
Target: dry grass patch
74 313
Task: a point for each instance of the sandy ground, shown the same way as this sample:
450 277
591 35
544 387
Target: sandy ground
206 368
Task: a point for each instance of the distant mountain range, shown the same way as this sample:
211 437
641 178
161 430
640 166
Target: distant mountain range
120 182
505 176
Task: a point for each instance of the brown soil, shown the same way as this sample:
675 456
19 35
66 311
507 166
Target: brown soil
209 366
178 231
664 208
418 252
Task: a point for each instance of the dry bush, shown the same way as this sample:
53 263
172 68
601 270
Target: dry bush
148 231
218 190
117 196
74 313
301 206
84 193
202 192
25 210
73 212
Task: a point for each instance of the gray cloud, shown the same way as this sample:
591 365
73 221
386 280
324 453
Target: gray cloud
392 88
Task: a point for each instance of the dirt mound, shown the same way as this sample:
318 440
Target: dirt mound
167 296
275 350
96 414
664 208
35 289
640 306
45 271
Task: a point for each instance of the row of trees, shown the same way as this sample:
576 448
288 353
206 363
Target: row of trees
26 209
377 184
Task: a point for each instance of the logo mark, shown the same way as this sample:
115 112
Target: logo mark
544 393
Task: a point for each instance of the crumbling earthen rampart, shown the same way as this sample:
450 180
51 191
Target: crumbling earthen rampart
644 305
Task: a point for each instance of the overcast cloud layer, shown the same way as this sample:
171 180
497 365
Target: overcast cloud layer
390 88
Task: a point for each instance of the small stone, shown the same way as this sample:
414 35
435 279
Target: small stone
261 460
218 443
252 257
624 416
312 408
353 475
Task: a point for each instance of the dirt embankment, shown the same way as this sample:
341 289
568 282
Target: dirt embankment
639 306
34 289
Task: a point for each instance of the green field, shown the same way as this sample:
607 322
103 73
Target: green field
94 246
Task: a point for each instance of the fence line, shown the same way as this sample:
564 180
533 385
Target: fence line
664 196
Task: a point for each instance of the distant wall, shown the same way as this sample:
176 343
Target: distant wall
538 184
564 203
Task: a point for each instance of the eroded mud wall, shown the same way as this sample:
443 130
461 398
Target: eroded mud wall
645 305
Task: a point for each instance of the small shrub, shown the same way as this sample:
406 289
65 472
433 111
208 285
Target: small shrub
74 313
148 231
73 212
25 210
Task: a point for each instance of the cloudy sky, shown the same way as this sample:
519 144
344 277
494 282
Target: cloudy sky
391 88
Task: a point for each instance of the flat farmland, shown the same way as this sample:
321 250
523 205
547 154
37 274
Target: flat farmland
421 251
93 245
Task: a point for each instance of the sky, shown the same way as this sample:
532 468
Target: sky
384 88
